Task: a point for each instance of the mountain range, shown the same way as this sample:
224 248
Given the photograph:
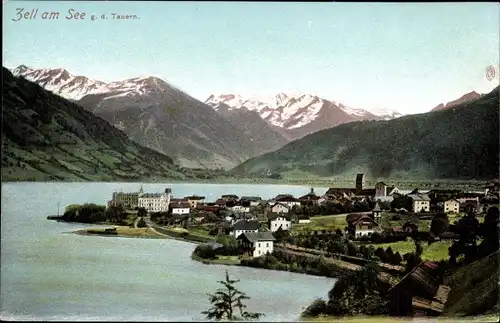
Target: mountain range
463 99
448 144
296 115
46 137
220 132
227 129
162 117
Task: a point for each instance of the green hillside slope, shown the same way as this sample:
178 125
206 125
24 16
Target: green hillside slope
45 137
475 288
460 143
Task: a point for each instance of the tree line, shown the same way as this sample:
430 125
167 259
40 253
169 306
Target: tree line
93 213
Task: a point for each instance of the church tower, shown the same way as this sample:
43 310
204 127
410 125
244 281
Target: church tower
360 182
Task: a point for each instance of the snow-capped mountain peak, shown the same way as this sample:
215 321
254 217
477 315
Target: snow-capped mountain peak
386 113
293 109
69 86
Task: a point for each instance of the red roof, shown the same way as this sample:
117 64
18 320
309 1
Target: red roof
398 229
362 218
309 197
179 205
287 199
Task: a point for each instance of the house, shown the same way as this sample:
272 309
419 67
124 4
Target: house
405 230
363 225
441 195
289 201
257 244
229 197
279 221
304 220
419 292
367 193
471 206
384 193
223 228
419 202
351 217
280 208
280 196
209 208
253 200
179 208
155 202
470 203
198 219
245 226
452 206
245 216
220 203
377 213
195 200
493 186
239 208
310 198
340 192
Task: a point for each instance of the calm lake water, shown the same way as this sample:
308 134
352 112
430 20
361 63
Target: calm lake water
49 274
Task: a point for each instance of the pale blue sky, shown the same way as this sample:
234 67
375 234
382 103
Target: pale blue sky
407 57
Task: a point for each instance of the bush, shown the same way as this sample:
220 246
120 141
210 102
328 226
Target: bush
316 308
204 251
141 223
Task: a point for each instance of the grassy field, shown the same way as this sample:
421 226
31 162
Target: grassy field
221 260
326 222
474 287
123 231
196 234
435 252
390 220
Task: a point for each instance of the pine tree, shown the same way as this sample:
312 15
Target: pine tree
226 301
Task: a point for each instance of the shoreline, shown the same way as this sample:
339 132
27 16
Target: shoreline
122 232
84 232
320 182
127 232
217 261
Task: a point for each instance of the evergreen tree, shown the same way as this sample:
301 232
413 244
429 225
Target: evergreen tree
226 301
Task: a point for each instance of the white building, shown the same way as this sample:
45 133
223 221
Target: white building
245 226
364 225
279 222
238 208
180 208
385 193
452 206
254 200
257 244
304 220
289 201
420 202
280 208
155 202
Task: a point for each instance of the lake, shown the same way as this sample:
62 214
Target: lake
50 274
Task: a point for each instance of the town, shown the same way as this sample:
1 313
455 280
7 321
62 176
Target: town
356 211
413 236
